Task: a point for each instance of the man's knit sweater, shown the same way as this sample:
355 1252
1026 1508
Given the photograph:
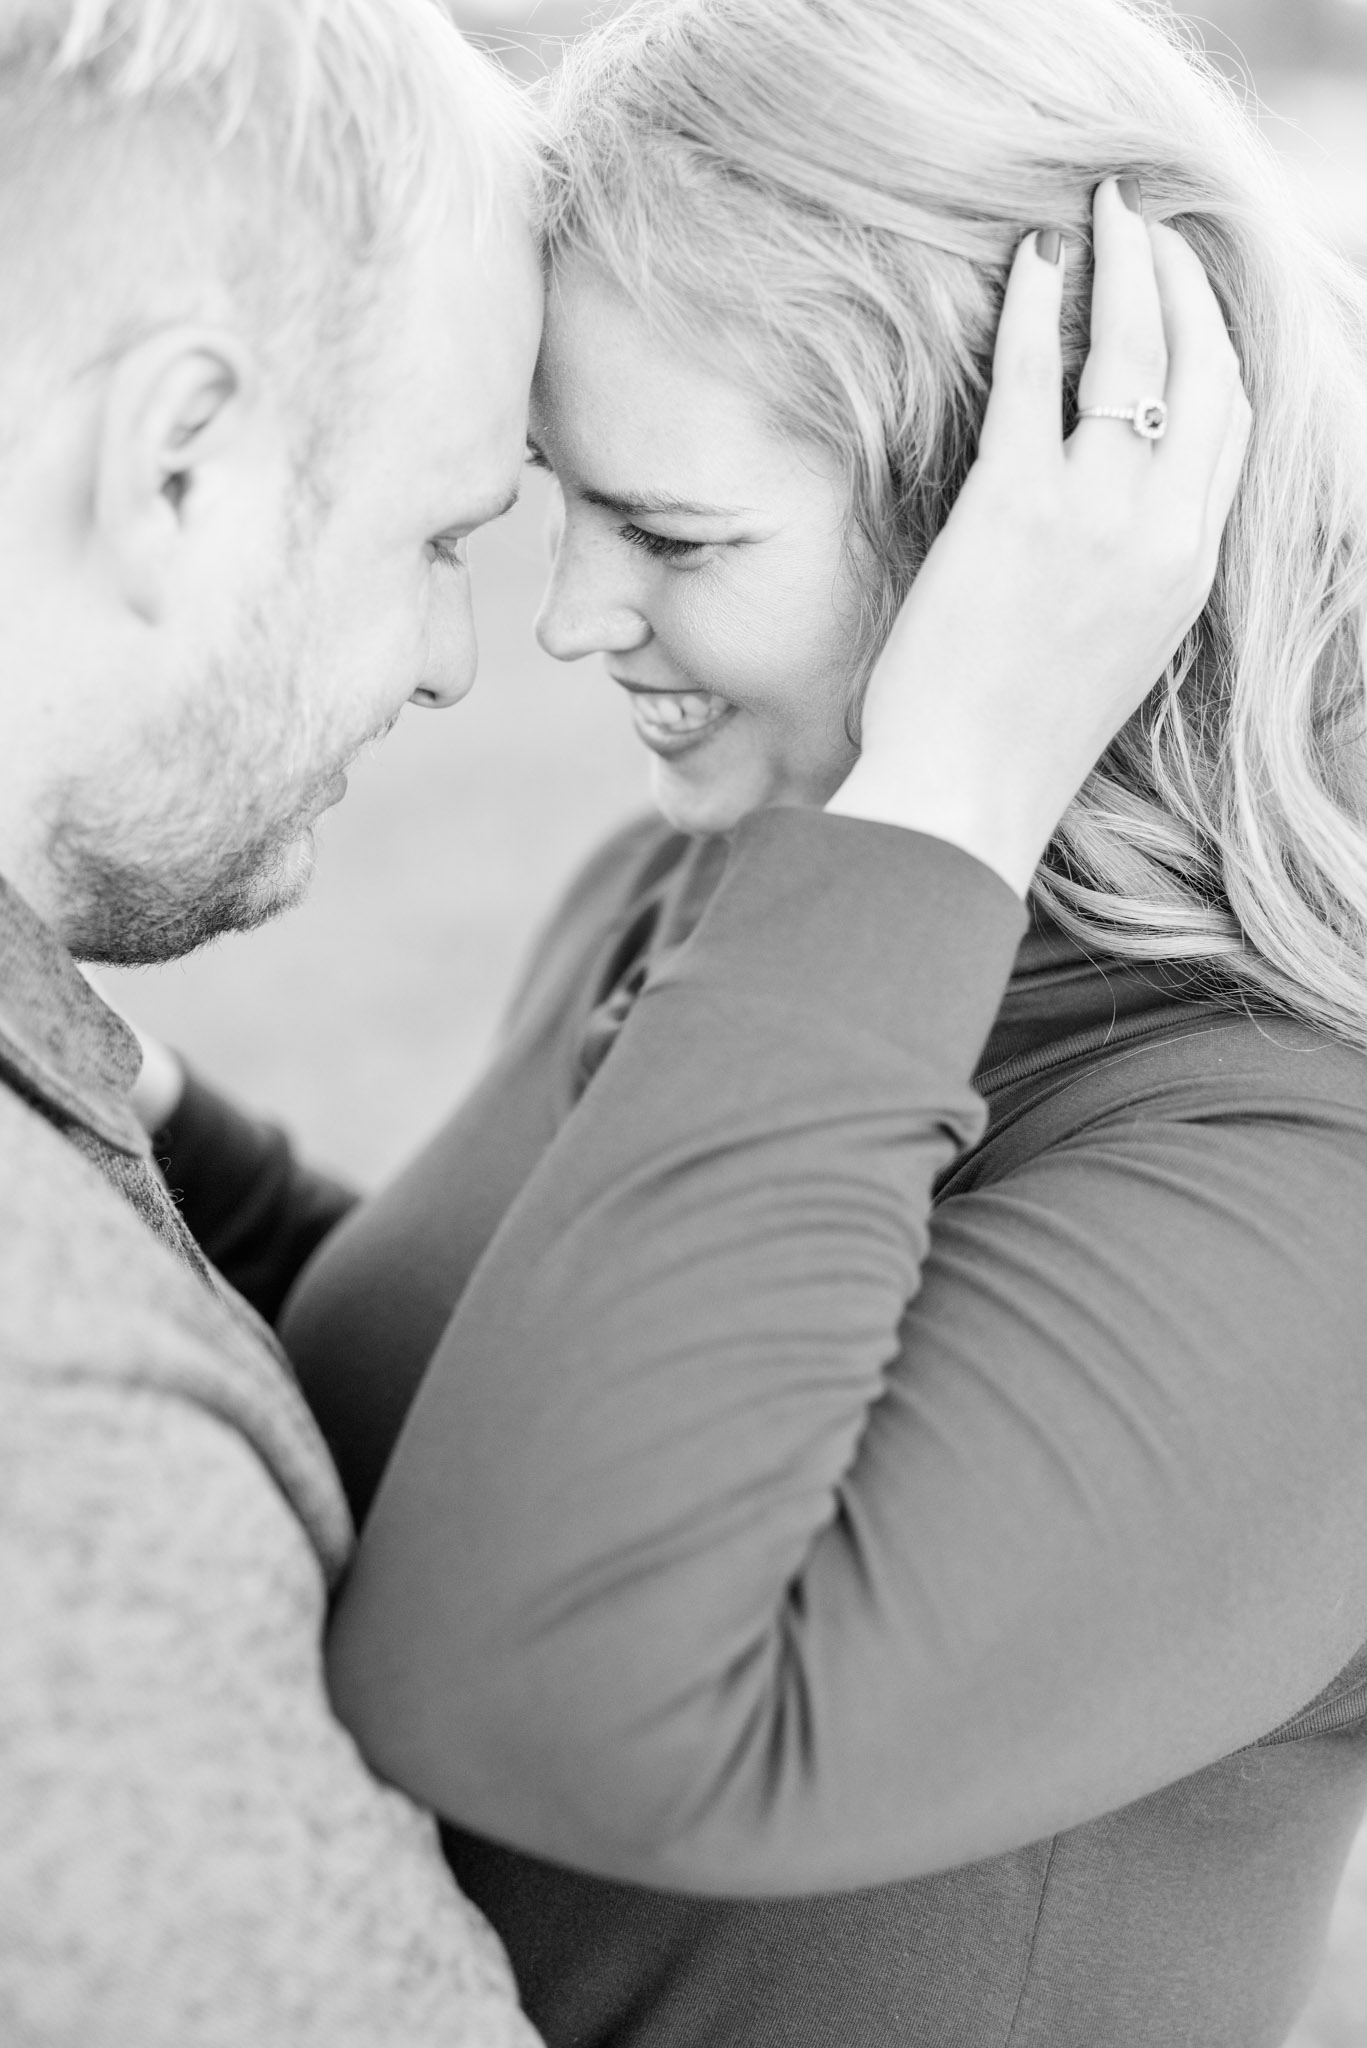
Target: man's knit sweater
192 1853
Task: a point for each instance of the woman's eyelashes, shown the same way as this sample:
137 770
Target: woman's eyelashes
661 545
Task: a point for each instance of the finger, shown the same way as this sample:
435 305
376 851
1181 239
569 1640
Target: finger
1205 394
1221 488
1128 361
1201 460
1024 419
1229 468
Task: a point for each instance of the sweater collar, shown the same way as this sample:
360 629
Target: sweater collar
58 1042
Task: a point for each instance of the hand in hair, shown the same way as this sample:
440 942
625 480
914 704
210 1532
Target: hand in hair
1068 573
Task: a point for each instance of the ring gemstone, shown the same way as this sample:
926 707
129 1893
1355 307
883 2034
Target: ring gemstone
1151 419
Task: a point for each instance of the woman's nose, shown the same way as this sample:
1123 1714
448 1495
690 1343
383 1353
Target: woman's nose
586 608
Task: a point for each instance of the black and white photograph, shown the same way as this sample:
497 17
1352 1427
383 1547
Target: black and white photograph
683 1357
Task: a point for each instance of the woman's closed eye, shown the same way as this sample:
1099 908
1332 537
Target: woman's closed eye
662 545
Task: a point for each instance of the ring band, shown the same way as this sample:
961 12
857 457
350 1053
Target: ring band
1149 417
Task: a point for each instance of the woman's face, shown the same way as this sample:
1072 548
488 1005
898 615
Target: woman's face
703 554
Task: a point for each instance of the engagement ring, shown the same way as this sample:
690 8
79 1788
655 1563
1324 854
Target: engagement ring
1149 418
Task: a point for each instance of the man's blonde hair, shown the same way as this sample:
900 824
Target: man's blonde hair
280 152
830 193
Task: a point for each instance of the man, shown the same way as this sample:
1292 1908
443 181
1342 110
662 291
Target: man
269 318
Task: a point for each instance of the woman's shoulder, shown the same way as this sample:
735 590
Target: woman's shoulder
1222 1069
1233 1061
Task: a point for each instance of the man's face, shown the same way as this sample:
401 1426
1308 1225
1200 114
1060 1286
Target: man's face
348 601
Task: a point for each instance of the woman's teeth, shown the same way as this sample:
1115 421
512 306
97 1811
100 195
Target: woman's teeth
675 713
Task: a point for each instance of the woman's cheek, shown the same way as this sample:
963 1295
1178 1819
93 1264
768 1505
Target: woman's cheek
719 633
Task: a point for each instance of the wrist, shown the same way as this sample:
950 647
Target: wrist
989 822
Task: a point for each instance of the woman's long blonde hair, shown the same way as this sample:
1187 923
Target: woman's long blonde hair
830 193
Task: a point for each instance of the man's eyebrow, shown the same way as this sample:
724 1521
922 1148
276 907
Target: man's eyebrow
642 504
504 504
481 515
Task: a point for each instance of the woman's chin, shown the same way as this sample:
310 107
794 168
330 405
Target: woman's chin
716 800
703 805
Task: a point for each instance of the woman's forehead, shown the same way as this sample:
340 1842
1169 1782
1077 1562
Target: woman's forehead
616 397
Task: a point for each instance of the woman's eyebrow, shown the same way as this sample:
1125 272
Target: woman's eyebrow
646 504
656 505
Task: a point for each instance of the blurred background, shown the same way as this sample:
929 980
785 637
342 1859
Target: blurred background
361 1018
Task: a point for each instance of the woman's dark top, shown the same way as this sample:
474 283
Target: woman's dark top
816 1493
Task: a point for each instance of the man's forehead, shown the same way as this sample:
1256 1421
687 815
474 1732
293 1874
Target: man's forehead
475 284
473 333
473 455
446 387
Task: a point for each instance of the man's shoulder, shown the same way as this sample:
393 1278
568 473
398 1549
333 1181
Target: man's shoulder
90 1299
193 1847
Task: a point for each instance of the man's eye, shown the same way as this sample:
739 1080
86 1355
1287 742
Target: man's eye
447 549
659 544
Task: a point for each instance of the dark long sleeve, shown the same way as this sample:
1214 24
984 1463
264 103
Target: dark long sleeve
758 1528
256 1212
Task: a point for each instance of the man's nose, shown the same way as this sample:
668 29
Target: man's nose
448 672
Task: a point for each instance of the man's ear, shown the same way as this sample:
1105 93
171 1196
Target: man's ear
176 405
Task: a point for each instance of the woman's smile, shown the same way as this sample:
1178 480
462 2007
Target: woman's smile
674 722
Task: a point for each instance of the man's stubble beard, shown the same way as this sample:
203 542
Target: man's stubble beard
197 828
128 912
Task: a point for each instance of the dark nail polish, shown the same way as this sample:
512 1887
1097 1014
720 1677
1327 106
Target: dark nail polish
1130 192
1049 245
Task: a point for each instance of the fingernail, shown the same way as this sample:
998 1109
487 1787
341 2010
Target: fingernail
1130 192
1049 245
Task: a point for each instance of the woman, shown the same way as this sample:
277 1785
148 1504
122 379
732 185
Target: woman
886 1494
